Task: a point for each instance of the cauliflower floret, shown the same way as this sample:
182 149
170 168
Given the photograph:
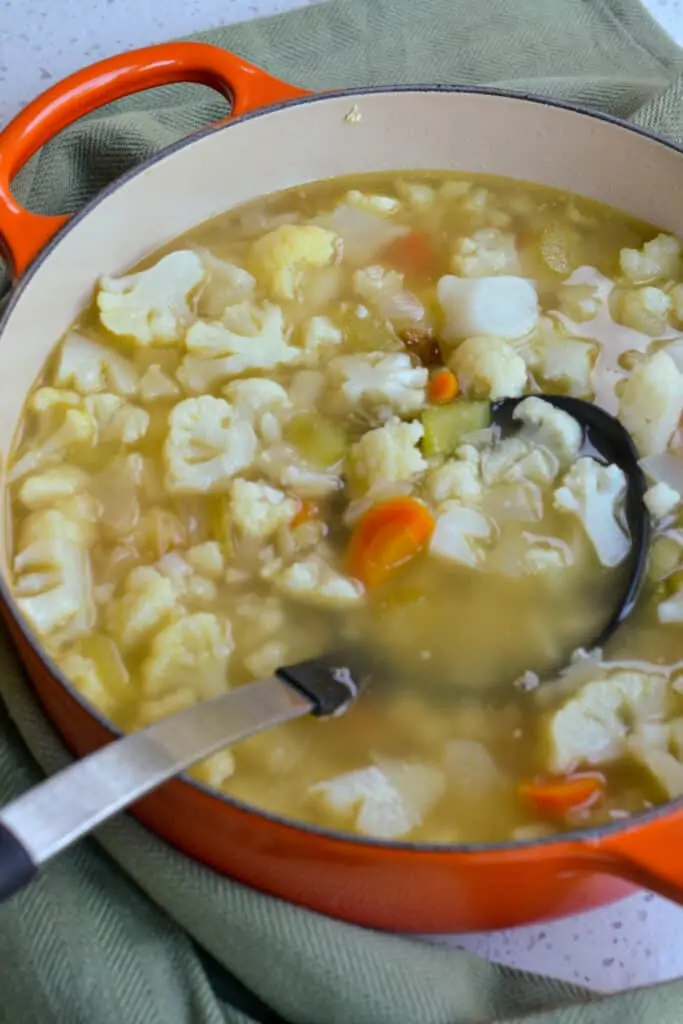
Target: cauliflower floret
155 385
666 770
192 653
207 559
593 493
117 421
550 427
313 581
417 195
320 336
671 610
651 403
658 259
578 302
147 601
151 307
226 284
47 489
383 290
283 465
487 253
363 232
515 460
259 510
52 577
192 587
378 383
503 307
256 395
283 255
249 338
594 725
384 206
386 455
459 479
488 367
84 673
88 367
457 531
206 446
556 357
214 770
661 500
644 309
386 802
77 430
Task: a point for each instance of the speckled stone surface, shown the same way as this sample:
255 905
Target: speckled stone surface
636 942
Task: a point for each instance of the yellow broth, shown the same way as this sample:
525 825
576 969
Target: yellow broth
442 750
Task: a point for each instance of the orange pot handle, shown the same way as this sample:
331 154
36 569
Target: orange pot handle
23 234
649 855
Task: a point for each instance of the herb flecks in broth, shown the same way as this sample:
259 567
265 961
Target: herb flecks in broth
275 434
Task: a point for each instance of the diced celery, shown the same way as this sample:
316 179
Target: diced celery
320 441
446 425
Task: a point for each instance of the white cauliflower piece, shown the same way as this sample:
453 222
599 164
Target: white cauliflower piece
516 460
488 367
47 399
77 430
284 254
192 653
320 336
661 500
313 581
644 309
259 510
666 770
384 206
459 479
458 534
651 403
556 357
117 421
593 493
383 290
594 725
206 446
550 428
156 385
487 253
225 285
283 465
49 488
378 383
503 307
250 338
416 194
578 302
659 259
207 559
147 600
151 307
670 611
257 395
191 586
87 367
386 802
363 232
386 455
214 770
52 576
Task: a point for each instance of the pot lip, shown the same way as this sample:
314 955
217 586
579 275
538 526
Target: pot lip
586 837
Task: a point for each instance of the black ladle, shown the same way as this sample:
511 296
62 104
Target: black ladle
53 815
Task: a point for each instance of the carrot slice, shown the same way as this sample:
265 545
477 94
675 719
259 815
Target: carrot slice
413 254
387 536
558 797
443 387
307 510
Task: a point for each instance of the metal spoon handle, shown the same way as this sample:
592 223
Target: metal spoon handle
59 811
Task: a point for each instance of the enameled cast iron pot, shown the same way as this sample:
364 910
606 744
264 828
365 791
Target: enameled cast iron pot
277 137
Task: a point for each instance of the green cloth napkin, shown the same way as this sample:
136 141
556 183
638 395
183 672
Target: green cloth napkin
124 930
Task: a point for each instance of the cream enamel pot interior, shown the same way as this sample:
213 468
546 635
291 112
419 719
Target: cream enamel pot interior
280 137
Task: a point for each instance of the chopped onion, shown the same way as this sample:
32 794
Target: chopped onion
401 305
363 232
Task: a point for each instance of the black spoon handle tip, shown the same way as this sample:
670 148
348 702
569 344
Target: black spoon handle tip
16 867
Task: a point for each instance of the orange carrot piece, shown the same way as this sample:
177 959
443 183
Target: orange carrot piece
413 254
387 536
307 510
558 797
443 387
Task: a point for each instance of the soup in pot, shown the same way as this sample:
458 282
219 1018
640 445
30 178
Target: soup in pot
274 437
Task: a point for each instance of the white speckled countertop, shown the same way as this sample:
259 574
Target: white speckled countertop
636 942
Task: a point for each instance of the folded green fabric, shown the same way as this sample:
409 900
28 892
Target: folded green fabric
124 930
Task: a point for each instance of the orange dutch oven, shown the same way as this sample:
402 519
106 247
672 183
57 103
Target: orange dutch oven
277 137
